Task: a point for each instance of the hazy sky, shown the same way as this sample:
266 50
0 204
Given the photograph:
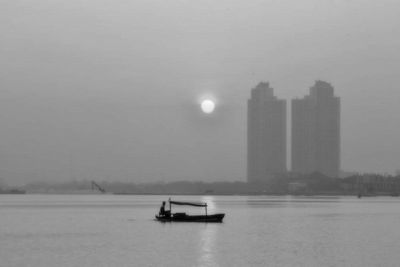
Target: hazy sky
110 89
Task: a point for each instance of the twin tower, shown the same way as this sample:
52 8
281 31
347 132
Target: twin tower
315 133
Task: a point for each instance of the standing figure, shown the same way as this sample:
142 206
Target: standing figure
163 212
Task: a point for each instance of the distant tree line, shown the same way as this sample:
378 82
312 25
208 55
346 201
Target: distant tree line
289 183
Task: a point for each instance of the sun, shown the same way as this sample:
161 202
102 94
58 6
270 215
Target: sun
207 106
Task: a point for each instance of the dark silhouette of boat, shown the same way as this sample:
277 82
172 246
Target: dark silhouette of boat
183 217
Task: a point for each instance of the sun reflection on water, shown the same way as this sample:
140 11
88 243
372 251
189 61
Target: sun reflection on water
210 203
208 237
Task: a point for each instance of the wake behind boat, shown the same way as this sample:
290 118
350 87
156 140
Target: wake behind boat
168 216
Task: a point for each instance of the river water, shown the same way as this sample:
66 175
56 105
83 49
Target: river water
119 230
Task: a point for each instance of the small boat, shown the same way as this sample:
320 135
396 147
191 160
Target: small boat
183 217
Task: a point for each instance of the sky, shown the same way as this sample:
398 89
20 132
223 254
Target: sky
110 90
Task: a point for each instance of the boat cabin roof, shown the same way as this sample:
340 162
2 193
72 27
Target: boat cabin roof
196 204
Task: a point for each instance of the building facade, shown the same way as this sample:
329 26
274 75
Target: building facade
316 131
266 134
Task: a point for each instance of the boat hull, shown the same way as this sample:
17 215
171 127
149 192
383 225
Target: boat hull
193 218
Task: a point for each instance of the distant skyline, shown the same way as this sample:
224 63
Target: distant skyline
266 134
315 136
110 90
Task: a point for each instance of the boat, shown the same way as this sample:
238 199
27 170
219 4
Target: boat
183 217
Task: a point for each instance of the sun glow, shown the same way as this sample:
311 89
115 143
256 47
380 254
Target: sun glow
207 106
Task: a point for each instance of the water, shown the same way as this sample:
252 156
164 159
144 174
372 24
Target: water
118 230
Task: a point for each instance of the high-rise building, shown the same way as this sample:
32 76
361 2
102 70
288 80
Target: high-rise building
316 131
266 134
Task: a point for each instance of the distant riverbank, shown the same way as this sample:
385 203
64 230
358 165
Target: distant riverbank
285 184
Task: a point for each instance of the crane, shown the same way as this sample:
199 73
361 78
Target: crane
98 187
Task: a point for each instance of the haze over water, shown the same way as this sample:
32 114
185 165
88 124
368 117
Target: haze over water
111 230
109 90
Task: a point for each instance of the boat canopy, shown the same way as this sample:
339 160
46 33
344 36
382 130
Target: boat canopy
188 203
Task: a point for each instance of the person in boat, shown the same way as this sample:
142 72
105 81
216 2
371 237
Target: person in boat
163 212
